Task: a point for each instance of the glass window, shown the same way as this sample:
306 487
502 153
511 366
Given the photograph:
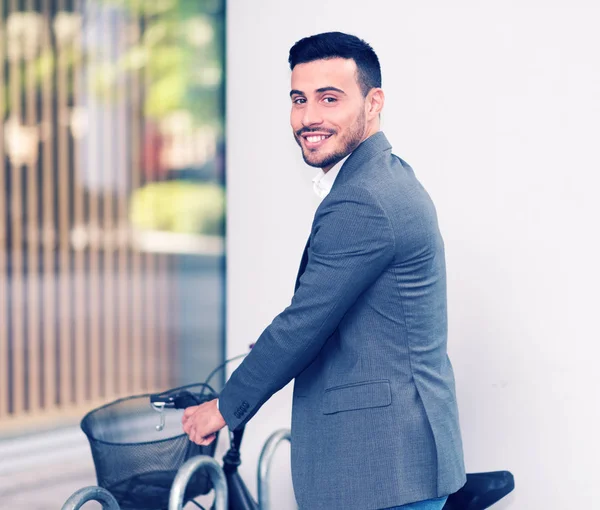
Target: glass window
112 203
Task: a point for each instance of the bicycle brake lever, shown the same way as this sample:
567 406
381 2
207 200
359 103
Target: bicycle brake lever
159 407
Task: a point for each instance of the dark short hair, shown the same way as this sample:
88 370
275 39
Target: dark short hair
339 45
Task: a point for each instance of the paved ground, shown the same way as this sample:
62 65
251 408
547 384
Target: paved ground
40 472
47 490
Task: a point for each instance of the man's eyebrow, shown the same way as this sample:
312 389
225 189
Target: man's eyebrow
330 89
319 91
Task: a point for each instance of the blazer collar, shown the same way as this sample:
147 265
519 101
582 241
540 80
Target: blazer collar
371 147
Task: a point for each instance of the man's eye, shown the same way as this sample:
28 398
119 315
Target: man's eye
329 99
299 100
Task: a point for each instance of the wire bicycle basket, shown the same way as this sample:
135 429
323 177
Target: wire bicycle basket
137 447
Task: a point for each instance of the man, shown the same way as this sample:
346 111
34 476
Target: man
374 419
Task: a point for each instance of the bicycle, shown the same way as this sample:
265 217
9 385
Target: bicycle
138 470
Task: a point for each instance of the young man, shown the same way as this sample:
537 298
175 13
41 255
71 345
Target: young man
374 420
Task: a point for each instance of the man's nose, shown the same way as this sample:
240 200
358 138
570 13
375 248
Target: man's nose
312 115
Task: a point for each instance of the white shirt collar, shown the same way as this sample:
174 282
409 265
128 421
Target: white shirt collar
323 182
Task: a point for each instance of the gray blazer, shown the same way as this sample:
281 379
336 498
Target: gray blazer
374 417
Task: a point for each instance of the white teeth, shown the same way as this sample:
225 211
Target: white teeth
315 139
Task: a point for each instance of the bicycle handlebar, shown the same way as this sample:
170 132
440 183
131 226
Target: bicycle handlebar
179 400
181 397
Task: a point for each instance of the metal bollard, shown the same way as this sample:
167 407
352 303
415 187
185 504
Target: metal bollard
94 493
186 471
264 464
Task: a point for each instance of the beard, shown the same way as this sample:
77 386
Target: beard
347 143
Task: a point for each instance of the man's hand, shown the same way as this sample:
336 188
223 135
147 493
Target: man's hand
201 423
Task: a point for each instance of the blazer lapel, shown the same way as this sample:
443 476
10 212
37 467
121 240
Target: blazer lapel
303 263
364 152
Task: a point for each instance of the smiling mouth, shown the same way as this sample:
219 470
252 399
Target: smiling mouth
313 141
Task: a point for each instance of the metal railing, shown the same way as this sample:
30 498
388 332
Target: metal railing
176 497
264 465
186 471
82 496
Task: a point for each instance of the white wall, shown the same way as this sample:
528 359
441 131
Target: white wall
497 108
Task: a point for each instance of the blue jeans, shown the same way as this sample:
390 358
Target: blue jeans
429 504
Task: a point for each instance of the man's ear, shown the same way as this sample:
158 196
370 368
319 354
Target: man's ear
375 101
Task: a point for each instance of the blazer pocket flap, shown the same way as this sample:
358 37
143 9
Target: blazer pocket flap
355 396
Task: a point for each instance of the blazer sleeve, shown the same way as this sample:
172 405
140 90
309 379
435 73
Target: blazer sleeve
352 244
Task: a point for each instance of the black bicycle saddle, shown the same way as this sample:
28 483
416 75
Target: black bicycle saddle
481 491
